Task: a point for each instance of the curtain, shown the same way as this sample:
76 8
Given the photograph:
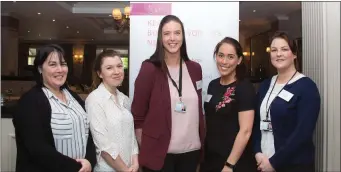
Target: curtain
22 60
68 49
89 57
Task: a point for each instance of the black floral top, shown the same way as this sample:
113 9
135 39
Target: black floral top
221 112
226 98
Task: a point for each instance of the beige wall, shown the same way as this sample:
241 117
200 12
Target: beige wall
321 62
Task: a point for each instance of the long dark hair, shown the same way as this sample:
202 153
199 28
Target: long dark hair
292 44
241 68
158 58
42 55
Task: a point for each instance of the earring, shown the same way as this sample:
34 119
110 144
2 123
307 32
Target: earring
39 70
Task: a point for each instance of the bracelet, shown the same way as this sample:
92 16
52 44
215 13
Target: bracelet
229 165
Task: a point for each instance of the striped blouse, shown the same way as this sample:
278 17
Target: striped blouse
69 123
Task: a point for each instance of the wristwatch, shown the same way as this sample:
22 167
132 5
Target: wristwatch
229 165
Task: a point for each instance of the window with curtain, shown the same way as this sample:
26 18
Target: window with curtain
32 52
123 53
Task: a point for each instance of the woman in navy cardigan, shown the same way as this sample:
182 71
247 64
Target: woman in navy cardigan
51 125
285 120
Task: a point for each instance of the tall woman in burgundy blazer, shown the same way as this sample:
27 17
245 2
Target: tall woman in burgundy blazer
155 99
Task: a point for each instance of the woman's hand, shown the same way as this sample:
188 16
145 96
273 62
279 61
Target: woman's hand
134 168
264 163
259 158
227 169
86 166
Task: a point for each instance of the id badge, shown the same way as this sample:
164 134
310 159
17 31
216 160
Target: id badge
180 107
265 125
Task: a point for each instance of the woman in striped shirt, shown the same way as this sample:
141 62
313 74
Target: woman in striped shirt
51 125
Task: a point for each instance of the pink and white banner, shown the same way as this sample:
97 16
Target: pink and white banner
206 23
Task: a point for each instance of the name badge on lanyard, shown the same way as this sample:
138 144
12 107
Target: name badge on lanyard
180 105
265 125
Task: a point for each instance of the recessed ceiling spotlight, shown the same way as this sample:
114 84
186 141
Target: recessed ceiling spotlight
39 34
67 27
77 31
28 31
38 13
254 11
92 39
50 38
53 20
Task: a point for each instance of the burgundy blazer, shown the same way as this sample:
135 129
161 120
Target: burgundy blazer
151 108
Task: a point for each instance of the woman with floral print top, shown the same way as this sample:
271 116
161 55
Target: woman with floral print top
229 111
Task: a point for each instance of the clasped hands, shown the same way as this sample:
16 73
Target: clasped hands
133 168
263 163
86 166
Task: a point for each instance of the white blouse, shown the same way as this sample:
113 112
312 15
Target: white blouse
112 126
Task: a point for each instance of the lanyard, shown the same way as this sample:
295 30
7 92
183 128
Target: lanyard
268 107
180 80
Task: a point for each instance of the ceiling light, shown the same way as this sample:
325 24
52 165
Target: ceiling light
254 11
67 27
122 20
110 15
77 31
53 20
39 34
28 31
39 13
92 39
50 38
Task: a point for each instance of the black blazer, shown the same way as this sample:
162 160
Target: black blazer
36 150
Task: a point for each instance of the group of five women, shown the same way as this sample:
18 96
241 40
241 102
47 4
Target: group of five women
164 129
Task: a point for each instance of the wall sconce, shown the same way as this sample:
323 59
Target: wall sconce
78 53
267 49
248 53
78 59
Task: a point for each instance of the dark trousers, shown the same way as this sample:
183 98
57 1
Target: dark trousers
185 162
215 162
298 168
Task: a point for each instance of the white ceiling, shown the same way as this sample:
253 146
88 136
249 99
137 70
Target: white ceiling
92 19
85 20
